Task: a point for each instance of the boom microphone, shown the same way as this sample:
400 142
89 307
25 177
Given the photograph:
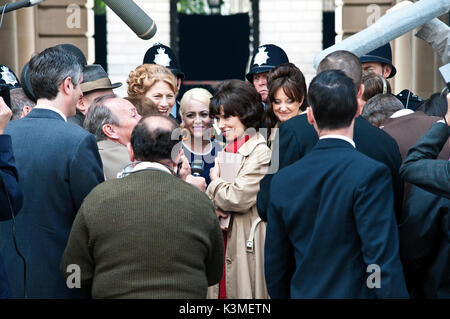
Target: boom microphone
19 4
134 17
388 27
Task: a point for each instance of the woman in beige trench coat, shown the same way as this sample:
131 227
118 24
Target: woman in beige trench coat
238 108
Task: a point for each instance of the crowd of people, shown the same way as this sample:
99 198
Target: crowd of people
263 188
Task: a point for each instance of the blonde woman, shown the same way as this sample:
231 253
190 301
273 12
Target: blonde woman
198 146
156 83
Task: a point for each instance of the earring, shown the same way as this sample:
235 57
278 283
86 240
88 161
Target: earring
185 134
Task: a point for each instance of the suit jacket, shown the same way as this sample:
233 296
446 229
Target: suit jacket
296 137
114 157
9 180
331 216
424 232
9 188
77 119
421 167
408 129
58 166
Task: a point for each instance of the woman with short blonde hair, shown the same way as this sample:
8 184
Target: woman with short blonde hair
155 82
198 145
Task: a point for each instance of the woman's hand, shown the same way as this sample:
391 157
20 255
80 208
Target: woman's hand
215 171
197 181
222 215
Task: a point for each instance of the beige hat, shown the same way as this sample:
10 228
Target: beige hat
96 78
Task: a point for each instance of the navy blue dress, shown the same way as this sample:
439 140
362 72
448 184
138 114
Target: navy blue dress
206 158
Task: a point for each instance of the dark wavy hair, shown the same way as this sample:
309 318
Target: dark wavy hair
288 77
238 98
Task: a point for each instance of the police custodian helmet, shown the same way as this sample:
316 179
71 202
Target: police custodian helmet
382 54
163 55
265 59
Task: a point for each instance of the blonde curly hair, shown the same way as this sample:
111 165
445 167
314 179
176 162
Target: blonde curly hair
146 75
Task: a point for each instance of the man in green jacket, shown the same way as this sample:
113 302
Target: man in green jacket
148 234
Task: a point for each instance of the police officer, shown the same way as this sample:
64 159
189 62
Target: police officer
379 61
266 58
163 55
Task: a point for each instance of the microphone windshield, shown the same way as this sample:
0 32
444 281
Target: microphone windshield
134 17
197 167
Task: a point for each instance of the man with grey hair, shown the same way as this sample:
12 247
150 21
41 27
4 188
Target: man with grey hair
111 119
380 107
95 83
404 125
21 105
58 166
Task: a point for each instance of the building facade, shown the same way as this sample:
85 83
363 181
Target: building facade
298 26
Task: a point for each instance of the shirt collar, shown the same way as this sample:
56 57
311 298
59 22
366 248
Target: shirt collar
341 137
145 165
401 113
173 111
51 108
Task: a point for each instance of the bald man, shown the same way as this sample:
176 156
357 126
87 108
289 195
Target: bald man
168 244
296 137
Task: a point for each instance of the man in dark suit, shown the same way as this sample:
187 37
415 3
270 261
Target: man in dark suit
424 250
331 230
425 230
10 193
296 137
421 167
58 166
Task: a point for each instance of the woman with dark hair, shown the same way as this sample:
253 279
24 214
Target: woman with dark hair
287 97
238 109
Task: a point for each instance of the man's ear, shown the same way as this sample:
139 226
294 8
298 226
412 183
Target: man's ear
110 132
81 105
310 115
387 69
130 151
359 99
359 108
66 85
26 109
360 92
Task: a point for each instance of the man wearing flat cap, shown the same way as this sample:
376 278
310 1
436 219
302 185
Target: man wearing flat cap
96 83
